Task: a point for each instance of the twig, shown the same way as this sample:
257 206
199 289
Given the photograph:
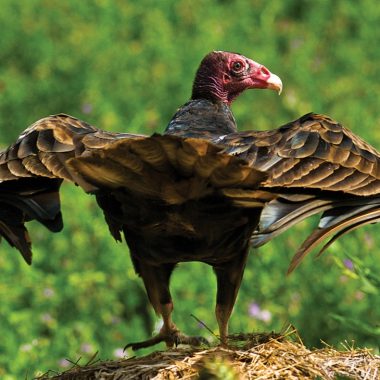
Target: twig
205 326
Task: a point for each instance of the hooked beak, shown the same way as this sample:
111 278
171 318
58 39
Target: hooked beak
274 83
262 78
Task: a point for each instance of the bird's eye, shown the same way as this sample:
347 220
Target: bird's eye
237 66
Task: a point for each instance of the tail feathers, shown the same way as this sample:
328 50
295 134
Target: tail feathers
167 168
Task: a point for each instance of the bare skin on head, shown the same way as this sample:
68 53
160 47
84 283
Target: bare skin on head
223 76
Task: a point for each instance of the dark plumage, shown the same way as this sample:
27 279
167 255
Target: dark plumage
201 192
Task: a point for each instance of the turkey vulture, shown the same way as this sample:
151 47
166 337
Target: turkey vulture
202 191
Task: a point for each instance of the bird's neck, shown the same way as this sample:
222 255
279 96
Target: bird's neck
209 89
209 85
202 118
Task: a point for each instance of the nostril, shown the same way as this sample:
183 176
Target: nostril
264 70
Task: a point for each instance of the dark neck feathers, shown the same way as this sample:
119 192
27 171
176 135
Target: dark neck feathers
202 118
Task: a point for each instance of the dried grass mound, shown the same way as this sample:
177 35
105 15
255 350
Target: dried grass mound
259 356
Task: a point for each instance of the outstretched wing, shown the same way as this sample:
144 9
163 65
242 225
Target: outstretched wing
308 166
33 168
168 169
315 165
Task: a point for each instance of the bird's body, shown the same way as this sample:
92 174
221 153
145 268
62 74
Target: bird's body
197 192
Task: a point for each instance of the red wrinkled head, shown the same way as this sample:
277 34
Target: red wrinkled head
222 76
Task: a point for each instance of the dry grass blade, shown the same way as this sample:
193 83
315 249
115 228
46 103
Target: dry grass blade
253 356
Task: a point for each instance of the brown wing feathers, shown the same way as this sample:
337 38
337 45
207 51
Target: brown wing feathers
339 171
312 152
308 166
167 168
31 172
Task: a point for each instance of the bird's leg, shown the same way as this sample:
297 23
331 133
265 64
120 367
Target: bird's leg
156 281
229 276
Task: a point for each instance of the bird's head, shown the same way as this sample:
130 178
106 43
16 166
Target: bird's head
222 76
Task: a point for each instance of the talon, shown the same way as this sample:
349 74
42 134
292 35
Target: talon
174 338
134 346
146 343
127 346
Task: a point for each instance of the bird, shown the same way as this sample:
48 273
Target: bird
201 191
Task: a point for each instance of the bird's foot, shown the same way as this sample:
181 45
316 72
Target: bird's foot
173 337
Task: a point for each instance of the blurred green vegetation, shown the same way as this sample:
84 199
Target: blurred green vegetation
127 66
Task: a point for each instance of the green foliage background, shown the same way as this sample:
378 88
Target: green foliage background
127 66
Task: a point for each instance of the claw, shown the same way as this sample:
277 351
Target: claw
146 343
176 340
173 338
